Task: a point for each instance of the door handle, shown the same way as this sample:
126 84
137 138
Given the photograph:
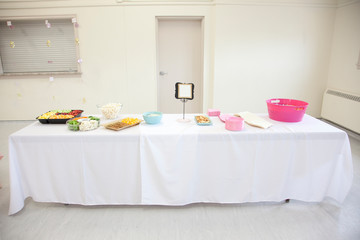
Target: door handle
162 73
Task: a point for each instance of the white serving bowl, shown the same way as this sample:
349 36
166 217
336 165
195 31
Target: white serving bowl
110 110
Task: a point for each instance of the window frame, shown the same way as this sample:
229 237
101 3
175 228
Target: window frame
47 73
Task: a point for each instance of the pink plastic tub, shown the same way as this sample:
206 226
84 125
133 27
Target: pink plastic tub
234 123
286 110
213 112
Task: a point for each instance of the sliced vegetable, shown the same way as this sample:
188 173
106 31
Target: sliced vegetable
94 118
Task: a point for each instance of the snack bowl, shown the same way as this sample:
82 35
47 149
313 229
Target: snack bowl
152 117
83 123
110 110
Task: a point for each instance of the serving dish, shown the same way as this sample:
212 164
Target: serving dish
152 117
83 123
110 110
58 116
203 120
122 124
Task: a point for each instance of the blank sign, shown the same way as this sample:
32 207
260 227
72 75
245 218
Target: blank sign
184 90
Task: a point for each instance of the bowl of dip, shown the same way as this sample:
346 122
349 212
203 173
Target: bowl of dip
152 117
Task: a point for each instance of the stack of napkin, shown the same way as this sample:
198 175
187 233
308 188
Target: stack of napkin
254 120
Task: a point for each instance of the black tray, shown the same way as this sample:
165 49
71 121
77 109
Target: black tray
57 121
43 121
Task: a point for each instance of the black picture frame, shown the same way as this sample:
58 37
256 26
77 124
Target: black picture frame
184 91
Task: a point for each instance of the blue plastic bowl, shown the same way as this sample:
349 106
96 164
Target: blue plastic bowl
152 117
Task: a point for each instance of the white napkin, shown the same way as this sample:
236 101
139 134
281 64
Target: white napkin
254 120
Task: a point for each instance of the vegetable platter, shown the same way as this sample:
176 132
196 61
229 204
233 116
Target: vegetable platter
83 123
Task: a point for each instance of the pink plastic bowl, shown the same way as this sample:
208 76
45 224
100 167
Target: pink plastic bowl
234 123
286 110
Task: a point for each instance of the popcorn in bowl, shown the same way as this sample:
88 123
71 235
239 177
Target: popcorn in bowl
110 110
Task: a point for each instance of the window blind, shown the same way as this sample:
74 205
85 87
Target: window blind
30 46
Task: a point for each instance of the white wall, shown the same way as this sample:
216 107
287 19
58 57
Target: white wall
264 52
118 49
102 49
343 72
252 52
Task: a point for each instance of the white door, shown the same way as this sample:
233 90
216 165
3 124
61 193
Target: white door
180 51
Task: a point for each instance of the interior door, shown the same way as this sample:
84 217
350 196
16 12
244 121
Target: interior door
179 46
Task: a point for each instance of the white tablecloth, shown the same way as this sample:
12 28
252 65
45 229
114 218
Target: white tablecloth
176 163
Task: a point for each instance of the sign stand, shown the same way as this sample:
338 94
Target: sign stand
184 92
183 119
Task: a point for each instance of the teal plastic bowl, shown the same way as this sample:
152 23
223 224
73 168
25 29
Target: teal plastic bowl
152 117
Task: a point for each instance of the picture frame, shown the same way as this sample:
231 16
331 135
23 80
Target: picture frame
184 91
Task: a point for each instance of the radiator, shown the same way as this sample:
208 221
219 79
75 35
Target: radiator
342 108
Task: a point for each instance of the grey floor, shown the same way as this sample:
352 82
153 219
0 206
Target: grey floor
294 220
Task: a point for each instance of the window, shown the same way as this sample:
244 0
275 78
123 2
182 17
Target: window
38 46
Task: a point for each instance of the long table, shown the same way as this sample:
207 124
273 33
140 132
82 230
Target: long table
176 163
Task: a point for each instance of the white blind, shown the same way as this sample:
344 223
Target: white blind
30 46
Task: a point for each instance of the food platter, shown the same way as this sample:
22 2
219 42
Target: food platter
58 116
203 120
122 124
83 123
118 125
